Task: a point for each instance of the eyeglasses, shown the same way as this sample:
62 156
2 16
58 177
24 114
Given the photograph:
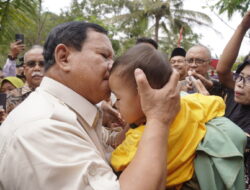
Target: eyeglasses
197 61
32 64
179 61
238 78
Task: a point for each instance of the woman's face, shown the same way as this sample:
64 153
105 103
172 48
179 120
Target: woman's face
242 89
7 87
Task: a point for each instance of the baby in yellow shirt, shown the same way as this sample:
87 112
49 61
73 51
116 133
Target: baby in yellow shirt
188 128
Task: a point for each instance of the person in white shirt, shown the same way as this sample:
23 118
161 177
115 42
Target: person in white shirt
54 138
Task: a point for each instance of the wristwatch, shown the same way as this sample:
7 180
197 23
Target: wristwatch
11 57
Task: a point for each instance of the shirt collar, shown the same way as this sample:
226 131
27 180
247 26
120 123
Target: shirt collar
25 89
82 106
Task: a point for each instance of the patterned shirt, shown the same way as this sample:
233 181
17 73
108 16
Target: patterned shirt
16 96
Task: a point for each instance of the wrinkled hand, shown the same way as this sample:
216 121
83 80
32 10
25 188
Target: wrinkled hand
245 23
16 48
206 82
111 117
200 87
159 104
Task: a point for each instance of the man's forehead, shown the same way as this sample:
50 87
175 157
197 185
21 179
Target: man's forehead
38 51
99 41
197 50
36 54
177 57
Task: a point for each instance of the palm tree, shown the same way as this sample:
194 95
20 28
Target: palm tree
21 16
14 15
159 14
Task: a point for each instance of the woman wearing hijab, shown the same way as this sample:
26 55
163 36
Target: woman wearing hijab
10 83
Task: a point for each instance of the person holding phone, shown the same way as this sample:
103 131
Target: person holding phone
59 139
16 48
33 72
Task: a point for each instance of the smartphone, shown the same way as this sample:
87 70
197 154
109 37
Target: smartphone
19 37
3 97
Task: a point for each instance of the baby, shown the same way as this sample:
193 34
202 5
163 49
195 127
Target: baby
187 130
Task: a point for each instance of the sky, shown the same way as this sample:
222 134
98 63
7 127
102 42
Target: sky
215 41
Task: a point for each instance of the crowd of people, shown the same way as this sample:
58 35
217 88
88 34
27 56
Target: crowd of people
76 118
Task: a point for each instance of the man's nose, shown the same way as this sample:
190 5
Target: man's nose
174 63
193 64
38 67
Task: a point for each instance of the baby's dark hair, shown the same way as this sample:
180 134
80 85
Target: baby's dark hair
147 40
153 63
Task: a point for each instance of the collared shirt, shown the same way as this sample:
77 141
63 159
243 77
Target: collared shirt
9 68
54 140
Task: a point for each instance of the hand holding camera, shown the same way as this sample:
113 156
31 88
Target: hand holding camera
16 47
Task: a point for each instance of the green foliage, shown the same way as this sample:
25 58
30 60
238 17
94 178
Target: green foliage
161 20
126 20
231 6
15 16
170 42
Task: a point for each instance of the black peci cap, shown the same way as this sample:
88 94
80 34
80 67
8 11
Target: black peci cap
178 52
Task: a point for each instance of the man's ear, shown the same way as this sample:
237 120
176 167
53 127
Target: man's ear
61 57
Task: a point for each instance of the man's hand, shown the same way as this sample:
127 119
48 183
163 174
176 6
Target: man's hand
159 104
16 48
200 87
206 82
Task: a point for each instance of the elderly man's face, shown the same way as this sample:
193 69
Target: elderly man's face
198 60
34 67
179 63
90 67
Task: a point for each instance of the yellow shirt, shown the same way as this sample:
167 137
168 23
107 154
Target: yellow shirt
185 133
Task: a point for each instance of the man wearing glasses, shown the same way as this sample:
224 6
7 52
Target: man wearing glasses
198 59
33 72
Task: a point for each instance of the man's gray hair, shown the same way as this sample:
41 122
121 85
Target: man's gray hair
204 47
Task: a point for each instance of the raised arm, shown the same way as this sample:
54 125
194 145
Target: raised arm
147 171
9 69
231 51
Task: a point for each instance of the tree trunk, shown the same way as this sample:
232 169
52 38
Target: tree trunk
157 23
